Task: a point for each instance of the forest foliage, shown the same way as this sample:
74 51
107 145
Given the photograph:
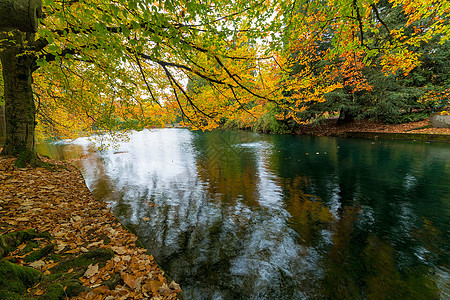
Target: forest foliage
266 65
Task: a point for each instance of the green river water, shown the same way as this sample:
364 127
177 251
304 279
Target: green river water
239 215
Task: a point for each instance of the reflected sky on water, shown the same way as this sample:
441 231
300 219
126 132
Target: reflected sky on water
238 215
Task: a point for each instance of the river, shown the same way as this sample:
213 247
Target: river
239 215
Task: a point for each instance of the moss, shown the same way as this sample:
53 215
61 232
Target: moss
113 281
69 283
29 247
27 157
105 238
55 257
15 278
38 254
10 241
84 260
7 295
98 254
53 277
73 287
54 292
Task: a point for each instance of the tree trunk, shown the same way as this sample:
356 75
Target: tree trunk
20 14
19 102
346 116
2 125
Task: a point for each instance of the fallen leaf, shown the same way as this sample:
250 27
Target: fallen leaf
49 264
73 251
119 250
175 286
60 247
103 289
129 280
113 232
23 219
91 271
137 284
77 218
153 286
47 187
164 289
37 264
146 219
94 279
95 244
122 291
39 292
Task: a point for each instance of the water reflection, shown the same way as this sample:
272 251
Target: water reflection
236 215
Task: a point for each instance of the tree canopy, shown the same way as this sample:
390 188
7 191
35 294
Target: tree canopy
131 64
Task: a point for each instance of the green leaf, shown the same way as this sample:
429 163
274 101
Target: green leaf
125 30
40 62
54 48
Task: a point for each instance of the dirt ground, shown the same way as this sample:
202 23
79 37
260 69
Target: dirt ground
329 127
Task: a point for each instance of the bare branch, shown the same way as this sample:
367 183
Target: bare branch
240 84
377 14
170 76
145 80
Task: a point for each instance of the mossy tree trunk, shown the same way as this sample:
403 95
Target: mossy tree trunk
18 66
20 14
2 124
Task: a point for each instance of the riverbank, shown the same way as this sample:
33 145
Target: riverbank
75 245
370 128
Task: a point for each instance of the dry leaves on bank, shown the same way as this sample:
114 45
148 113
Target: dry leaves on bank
330 127
58 202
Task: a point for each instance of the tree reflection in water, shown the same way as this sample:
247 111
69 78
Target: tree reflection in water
236 215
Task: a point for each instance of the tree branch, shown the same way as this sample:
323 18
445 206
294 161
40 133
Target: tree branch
145 80
377 14
240 84
170 76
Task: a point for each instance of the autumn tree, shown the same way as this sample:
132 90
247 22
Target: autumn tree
359 58
112 64
137 45
349 57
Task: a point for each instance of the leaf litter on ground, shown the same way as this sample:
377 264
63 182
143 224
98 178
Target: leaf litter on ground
83 234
